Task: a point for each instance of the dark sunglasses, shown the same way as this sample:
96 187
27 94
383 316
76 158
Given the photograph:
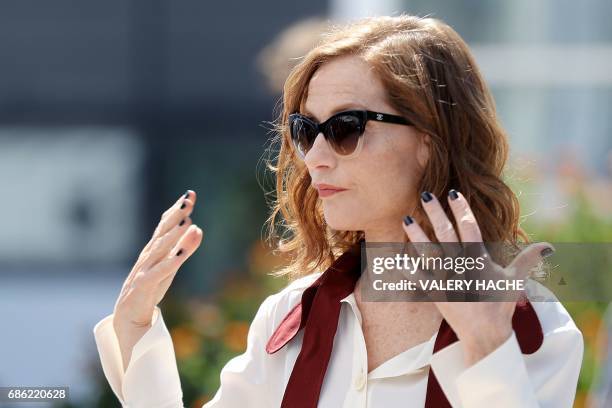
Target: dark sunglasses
343 131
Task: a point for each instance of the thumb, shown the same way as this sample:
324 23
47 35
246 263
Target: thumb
528 258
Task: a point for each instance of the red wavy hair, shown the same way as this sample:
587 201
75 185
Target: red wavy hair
431 78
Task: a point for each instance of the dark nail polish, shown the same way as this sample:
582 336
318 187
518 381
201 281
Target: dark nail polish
426 196
408 220
453 194
186 194
182 222
546 252
180 251
183 206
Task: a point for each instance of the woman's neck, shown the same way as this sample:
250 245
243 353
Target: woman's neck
389 233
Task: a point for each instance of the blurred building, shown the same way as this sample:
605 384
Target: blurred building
108 112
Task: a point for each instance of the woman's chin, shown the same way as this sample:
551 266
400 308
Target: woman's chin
341 217
341 225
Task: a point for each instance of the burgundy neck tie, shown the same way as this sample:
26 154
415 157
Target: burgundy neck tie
321 300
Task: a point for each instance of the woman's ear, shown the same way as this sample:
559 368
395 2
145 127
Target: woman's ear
423 149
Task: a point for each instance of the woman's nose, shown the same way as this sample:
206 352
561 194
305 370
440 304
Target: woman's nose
320 154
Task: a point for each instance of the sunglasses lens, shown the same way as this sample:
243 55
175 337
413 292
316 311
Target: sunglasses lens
342 133
303 134
345 131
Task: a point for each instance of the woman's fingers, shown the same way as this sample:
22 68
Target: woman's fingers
182 208
184 248
467 225
165 243
420 245
165 283
413 230
150 277
160 242
443 227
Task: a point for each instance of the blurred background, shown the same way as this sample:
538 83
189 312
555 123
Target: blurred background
110 110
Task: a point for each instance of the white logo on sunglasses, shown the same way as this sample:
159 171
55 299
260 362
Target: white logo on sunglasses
379 116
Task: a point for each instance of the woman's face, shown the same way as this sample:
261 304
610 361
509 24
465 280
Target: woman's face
381 180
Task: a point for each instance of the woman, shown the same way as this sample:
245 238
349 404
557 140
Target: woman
431 129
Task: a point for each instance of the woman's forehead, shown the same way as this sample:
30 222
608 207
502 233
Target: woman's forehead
346 82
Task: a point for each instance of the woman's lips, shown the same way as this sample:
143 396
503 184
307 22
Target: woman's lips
327 192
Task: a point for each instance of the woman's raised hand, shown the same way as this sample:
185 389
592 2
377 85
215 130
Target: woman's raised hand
481 326
174 240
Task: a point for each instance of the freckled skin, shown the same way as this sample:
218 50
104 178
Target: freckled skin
381 183
390 328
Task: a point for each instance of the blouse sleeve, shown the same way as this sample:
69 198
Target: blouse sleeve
506 378
254 378
152 380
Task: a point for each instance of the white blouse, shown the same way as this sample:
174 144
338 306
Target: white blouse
256 379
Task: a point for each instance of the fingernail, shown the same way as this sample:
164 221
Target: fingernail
182 222
426 196
186 194
408 220
453 194
546 252
183 206
180 251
